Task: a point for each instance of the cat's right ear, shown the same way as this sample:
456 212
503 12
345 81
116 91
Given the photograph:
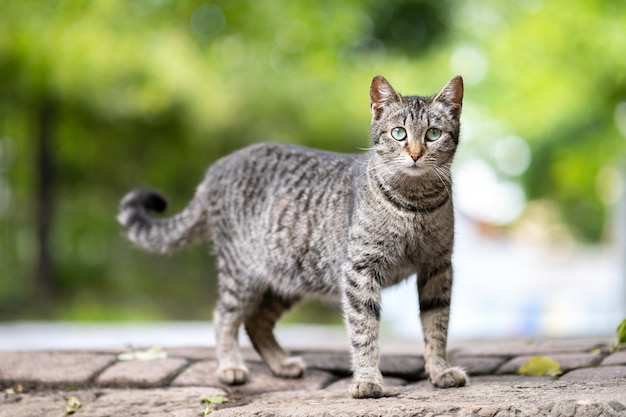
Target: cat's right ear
452 94
381 95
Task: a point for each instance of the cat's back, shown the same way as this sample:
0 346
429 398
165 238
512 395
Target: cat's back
279 166
283 208
271 184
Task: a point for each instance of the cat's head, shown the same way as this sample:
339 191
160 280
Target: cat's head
413 135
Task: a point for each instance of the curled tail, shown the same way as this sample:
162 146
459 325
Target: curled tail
161 235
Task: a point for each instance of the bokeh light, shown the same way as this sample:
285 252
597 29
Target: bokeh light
208 20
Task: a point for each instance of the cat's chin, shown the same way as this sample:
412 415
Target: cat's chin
413 171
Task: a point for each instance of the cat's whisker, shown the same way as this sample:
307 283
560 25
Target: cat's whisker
375 168
441 175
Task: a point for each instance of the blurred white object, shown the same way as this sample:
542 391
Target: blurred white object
505 288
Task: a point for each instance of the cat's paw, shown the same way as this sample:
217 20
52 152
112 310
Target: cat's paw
290 368
450 377
232 376
366 389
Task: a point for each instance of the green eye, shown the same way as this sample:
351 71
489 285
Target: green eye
433 134
398 133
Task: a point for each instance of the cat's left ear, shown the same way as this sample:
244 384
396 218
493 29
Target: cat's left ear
452 94
381 95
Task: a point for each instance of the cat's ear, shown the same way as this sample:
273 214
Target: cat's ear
452 94
381 95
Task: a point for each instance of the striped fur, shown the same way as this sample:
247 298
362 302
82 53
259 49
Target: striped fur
289 222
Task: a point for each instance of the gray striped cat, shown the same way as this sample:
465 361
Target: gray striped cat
289 222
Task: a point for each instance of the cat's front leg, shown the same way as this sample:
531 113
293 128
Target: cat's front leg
361 301
435 290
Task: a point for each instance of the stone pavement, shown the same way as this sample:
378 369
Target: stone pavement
52 383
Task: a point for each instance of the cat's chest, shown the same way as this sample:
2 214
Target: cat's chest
404 241
432 233
417 240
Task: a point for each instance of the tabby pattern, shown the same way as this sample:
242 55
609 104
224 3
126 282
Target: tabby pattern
289 222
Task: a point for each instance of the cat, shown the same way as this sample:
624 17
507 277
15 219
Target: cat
289 222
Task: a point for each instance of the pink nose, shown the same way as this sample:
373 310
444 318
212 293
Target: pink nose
415 156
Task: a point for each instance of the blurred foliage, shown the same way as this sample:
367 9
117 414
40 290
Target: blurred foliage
149 92
620 335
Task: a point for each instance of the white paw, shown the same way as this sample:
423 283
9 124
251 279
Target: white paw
290 368
450 377
232 376
366 389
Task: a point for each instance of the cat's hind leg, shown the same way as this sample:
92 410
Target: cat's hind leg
260 328
435 290
228 317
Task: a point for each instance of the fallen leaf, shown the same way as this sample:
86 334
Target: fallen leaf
152 354
15 389
218 399
540 366
71 405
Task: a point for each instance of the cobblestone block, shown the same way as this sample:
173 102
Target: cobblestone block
478 365
478 399
517 380
567 361
338 363
191 353
141 373
154 402
405 367
44 403
617 358
51 368
601 373
207 353
520 347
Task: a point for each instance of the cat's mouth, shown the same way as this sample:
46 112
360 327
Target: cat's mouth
415 169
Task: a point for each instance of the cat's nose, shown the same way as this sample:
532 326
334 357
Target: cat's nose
415 156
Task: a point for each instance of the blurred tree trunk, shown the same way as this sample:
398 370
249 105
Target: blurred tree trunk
45 118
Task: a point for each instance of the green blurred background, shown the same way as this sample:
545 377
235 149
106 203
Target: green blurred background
98 97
